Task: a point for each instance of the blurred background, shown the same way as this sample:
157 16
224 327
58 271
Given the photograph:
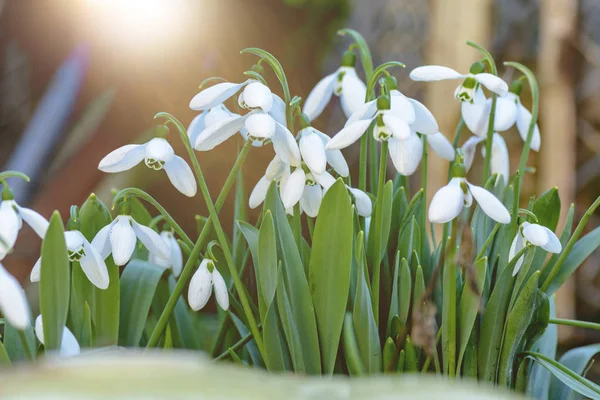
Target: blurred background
80 78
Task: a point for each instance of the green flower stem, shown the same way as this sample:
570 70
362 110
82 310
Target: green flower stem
362 167
297 226
28 352
535 106
487 162
13 174
238 345
572 322
377 266
223 329
424 187
168 218
372 161
570 244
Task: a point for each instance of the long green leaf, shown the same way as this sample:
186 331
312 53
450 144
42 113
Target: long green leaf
577 360
54 283
266 268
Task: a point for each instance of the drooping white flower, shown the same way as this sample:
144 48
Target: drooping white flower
277 171
201 286
13 302
11 220
69 346
449 201
254 95
157 154
499 161
465 92
175 260
316 156
119 238
344 83
536 235
81 251
305 187
363 203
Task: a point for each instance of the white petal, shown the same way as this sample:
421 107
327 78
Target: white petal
159 149
93 266
335 158
348 135
13 302
215 95
220 290
175 252
490 204
425 122
293 188
468 149
278 110
218 114
523 121
325 180
151 240
123 158
536 234
492 82
260 125
10 223
401 107
406 154
122 240
196 126
399 128
516 246
285 145
259 192
353 92
69 346
38 223
434 73
215 134
506 112
476 117
36 271
364 205
181 176
319 97
441 146
276 168
447 202
200 287
101 241
366 111
311 200
553 245
257 95
312 149
74 240
500 159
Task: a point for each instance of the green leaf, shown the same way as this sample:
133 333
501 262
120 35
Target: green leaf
567 376
251 345
394 306
405 284
538 382
86 338
272 341
419 289
104 304
409 240
470 303
382 219
54 283
547 209
329 270
351 351
266 268
4 358
517 322
577 360
289 326
410 356
580 251
138 285
14 346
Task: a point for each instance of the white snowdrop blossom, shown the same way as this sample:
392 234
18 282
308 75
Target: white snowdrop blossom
119 238
157 154
265 121
536 235
465 92
277 171
499 161
81 251
175 260
13 302
344 83
11 221
316 156
448 202
363 203
307 188
201 286
69 346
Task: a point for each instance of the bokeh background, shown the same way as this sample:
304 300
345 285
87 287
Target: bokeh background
80 78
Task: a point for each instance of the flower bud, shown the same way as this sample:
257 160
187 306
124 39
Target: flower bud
259 69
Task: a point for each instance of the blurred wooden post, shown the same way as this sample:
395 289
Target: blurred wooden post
452 23
558 24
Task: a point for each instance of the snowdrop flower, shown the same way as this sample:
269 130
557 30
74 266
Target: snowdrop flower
81 251
277 171
201 286
119 238
448 202
536 235
305 187
500 160
465 92
13 302
344 83
69 346
175 260
11 220
157 154
314 153
363 203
